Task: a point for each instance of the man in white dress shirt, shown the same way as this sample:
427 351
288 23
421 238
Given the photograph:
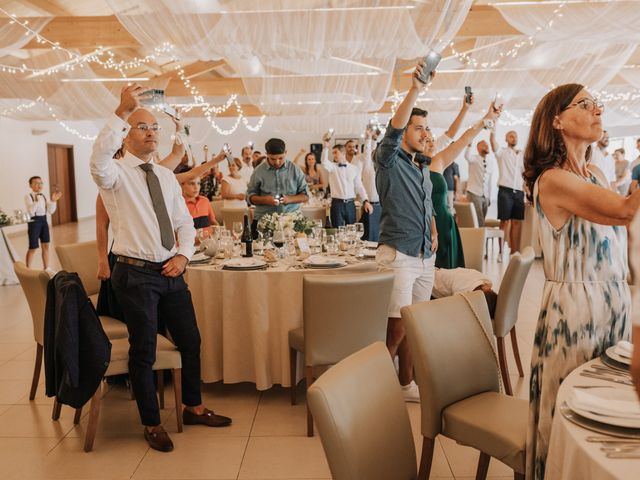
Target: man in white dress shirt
145 205
601 159
38 229
371 221
479 183
510 188
247 163
345 183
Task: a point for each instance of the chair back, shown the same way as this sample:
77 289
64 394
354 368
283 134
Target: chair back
315 213
216 206
34 285
81 258
369 439
343 314
511 290
466 215
473 240
231 215
453 357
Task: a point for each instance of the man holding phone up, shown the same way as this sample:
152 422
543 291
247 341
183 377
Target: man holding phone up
408 236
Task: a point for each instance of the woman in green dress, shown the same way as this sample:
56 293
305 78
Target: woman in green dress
450 254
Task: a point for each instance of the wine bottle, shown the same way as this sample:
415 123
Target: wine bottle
247 238
327 222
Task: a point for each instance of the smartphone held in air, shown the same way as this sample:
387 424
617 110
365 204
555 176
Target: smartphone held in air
327 136
227 153
431 61
498 102
467 95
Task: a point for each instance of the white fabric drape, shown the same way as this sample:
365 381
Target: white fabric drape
13 37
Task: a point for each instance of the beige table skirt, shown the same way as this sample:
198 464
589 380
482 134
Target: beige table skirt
244 320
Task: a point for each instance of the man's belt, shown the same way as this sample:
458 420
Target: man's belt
136 262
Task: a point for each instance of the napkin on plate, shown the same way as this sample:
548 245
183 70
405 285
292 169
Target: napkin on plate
624 349
622 403
322 260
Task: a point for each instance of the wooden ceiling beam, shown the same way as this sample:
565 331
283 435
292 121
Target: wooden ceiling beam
49 7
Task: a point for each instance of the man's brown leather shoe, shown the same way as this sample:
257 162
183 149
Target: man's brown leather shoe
158 439
207 418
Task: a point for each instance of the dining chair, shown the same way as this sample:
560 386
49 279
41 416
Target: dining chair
231 215
473 240
458 375
315 213
506 316
341 315
82 258
34 285
466 216
216 206
369 439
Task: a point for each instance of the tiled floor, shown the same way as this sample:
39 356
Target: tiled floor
267 439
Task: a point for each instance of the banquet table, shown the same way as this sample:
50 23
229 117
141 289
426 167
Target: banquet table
244 318
570 455
7 257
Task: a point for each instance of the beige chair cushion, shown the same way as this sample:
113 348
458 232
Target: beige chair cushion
491 422
296 339
167 356
113 327
81 258
34 285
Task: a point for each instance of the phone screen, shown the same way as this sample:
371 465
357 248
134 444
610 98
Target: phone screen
431 61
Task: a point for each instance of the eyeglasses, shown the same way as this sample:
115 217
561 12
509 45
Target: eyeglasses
143 127
588 104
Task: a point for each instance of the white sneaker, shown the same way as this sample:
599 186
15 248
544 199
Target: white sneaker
411 392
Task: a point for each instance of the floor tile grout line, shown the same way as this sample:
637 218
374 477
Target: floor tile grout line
246 446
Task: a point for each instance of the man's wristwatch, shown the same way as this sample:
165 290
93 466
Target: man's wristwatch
488 124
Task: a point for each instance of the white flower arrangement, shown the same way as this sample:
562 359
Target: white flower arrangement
293 221
4 219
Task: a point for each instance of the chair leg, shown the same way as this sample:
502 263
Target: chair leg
177 389
516 351
483 466
94 414
486 248
160 377
55 414
504 369
518 476
426 458
76 417
36 372
309 377
292 373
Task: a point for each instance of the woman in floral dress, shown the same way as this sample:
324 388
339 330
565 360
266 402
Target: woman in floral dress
582 224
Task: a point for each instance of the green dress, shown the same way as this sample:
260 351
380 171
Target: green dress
449 253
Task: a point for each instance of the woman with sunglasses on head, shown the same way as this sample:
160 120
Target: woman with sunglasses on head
582 227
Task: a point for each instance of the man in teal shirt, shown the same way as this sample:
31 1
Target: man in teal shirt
276 185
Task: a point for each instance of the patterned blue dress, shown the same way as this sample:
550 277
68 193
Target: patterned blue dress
585 309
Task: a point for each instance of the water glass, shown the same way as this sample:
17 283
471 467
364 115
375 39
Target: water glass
331 245
227 247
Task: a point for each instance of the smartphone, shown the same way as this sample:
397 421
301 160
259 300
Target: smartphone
152 97
431 61
467 95
327 136
497 101
250 145
227 153
169 110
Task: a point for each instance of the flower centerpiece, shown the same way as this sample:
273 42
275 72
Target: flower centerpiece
290 222
4 218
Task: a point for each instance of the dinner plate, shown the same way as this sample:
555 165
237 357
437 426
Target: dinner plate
598 427
199 258
624 422
369 253
318 261
611 353
244 264
611 363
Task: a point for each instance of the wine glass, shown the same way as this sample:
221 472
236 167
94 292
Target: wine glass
359 230
237 230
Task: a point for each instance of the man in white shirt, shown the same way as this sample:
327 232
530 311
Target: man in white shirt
479 183
38 229
601 159
449 281
144 203
247 163
510 188
345 183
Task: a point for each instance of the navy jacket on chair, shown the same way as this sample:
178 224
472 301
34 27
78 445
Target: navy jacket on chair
76 349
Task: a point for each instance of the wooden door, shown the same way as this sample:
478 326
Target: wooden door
62 178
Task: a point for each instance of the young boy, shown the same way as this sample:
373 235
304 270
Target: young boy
38 228
198 205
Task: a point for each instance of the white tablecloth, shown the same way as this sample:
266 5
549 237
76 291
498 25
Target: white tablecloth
570 456
244 320
7 257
